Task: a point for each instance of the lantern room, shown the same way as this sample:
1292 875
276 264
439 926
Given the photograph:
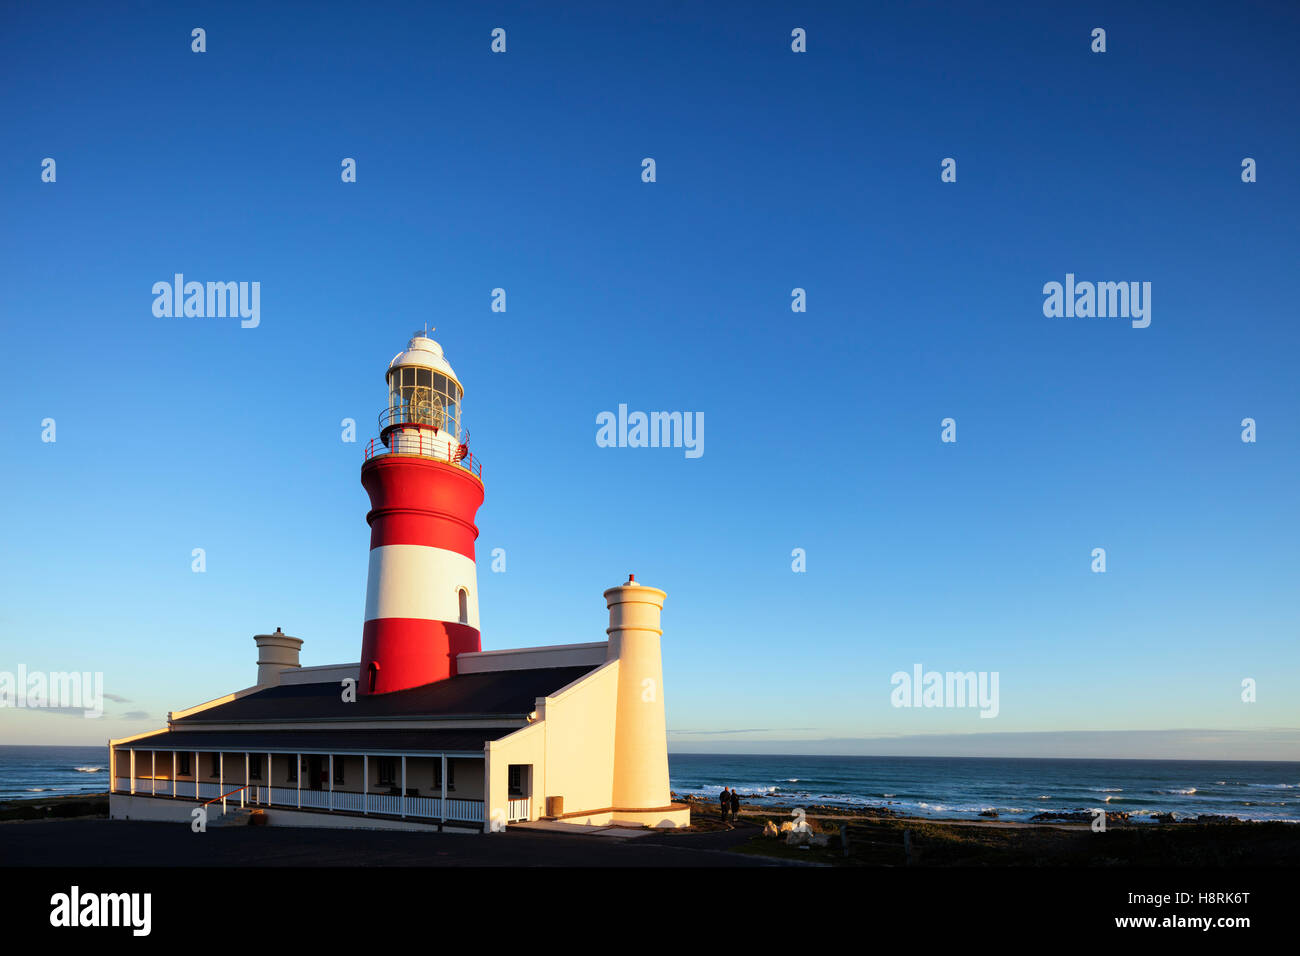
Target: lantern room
423 389
423 416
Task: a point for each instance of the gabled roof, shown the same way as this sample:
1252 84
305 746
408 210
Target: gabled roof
491 694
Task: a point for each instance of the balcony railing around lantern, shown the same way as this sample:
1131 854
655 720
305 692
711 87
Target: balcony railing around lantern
419 443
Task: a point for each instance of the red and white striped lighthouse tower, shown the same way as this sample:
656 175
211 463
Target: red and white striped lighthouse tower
425 490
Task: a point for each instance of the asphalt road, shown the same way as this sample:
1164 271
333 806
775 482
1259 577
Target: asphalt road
93 842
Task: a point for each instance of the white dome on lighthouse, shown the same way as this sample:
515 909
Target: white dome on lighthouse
423 352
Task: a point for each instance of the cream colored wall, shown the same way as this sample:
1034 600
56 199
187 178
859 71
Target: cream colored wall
570 747
469 779
527 747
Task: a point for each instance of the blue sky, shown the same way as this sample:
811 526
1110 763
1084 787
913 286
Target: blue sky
775 170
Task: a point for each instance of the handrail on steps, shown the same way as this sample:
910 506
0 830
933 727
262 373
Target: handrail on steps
224 795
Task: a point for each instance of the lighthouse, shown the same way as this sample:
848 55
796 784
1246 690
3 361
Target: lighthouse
425 490
443 734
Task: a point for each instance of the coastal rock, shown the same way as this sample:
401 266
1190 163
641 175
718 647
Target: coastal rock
1078 816
797 837
988 813
1213 818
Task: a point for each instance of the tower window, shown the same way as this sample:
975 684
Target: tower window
463 597
373 676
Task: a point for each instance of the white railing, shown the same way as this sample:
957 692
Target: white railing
206 790
385 803
346 800
470 811
518 810
423 807
123 785
316 799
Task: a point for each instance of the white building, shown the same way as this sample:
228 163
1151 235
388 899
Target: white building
427 729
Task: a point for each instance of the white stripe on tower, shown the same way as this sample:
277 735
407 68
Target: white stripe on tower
420 582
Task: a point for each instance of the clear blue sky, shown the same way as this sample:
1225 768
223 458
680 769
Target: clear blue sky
775 170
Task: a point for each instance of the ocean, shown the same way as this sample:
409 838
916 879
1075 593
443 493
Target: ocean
32 772
949 787
1014 788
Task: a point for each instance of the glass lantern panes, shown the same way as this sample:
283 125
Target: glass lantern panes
425 396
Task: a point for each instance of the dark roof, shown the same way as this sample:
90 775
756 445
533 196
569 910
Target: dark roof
494 694
322 741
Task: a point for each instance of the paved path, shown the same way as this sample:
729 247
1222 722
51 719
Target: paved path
88 842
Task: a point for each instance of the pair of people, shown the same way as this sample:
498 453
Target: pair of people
729 800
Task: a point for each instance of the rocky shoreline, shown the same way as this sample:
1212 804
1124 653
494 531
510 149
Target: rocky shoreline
866 811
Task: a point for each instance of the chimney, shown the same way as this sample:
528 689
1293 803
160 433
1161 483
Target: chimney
275 653
640 730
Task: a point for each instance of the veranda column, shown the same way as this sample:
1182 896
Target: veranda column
221 778
298 776
175 791
403 784
153 773
365 783
196 775
244 792
133 772
442 804
331 781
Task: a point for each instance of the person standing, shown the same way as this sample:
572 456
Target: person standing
724 799
735 806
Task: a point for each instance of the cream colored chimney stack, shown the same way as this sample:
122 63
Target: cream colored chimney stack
275 653
640 731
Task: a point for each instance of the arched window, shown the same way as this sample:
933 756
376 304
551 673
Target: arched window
374 675
463 595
